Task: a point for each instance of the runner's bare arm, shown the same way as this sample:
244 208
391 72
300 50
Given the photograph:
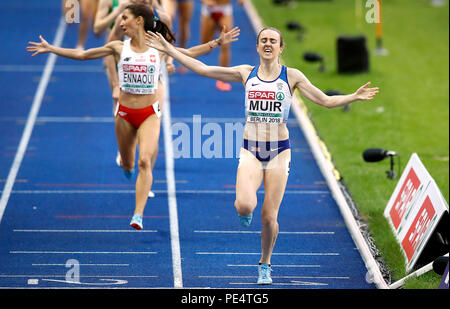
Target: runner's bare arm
104 18
229 74
316 95
226 37
110 48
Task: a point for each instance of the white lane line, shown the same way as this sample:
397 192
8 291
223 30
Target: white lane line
259 232
88 119
45 78
58 68
278 277
275 253
82 231
113 265
77 191
86 276
75 119
171 191
294 283
275 266
82 252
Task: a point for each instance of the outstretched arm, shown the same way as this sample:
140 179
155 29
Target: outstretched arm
104 18
77 54
224 38
229 74
315 95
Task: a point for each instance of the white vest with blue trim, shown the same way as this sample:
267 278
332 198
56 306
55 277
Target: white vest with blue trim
267 101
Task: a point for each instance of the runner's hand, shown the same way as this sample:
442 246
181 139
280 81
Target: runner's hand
365 93
38 48
157 41
228 37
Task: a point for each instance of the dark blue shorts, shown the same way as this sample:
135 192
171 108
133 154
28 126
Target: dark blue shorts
266 151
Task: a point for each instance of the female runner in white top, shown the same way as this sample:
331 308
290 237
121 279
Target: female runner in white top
137 120
252 170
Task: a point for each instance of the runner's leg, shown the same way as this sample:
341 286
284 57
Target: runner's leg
275 179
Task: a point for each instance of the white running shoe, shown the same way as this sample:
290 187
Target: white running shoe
118 158
264 271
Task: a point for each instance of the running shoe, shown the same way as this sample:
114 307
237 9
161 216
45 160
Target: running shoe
222 86
245 220
136 222
264 271
129 174
118 159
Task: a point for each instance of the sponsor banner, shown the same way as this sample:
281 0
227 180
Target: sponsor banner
414 179
414 210
444 281
427 212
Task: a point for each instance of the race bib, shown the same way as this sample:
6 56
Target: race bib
265 107
139 79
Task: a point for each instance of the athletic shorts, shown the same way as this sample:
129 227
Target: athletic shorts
136 116
266 151
216 12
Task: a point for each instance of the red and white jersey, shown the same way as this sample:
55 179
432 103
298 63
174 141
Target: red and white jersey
138 72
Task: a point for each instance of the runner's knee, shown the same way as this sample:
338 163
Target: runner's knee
269 214
145 161
245 206
128 166
268 218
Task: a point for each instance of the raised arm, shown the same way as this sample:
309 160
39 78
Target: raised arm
104 18
316 95
229 74
43 47
226 37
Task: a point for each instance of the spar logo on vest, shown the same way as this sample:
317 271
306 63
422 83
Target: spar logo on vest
265 106
139 74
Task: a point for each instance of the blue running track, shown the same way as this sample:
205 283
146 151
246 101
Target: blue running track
66 204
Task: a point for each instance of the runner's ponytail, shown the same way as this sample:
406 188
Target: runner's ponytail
151 22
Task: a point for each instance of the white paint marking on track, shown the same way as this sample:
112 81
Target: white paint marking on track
279 277
96 265
275 253
171 191
82 252
39 95
259 232
84 276
155 191
84 231
275 266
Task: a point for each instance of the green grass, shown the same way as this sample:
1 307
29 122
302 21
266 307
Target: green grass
410 114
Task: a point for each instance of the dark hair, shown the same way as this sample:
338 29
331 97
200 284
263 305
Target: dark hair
273 29
151 22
